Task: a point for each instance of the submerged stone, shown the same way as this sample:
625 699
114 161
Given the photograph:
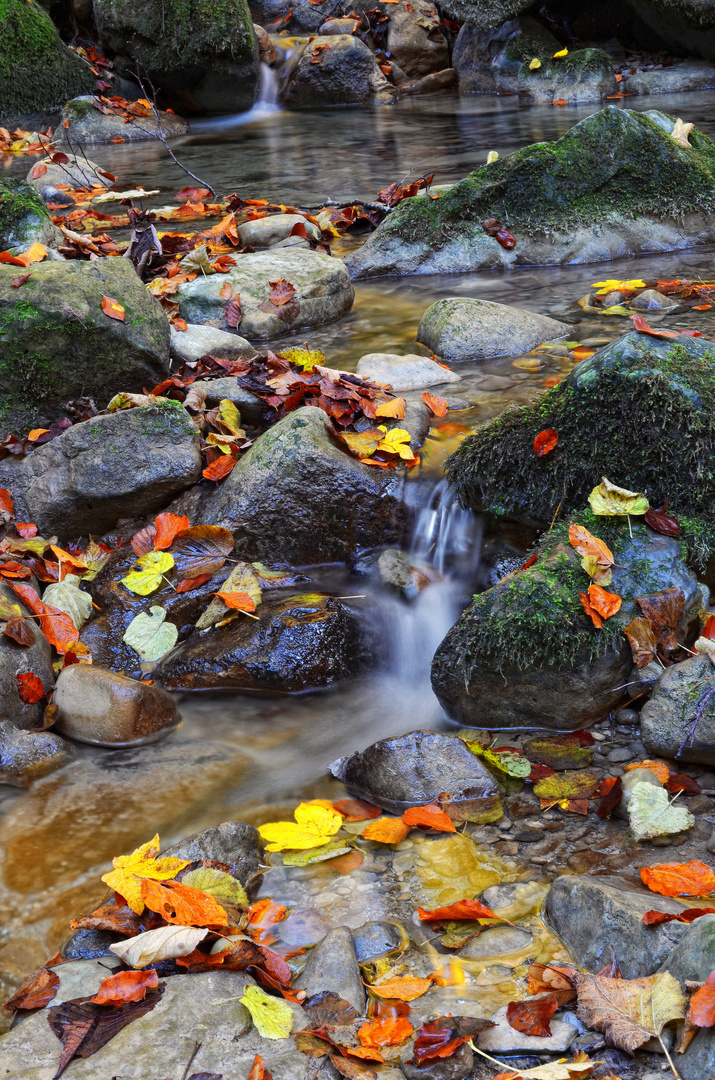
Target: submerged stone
332 965
462 328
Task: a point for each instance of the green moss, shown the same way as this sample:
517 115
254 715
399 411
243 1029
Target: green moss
37 71
579 66
23 214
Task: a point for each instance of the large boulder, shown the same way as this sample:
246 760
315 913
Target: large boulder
102 708
24 218
686 76
202 54
335 70
524 654
639 411
56 342
16 659
414 38
485 13
488 59
669 720
86 124
462 328
617 183
689 24
78 171
692 960
323 293
124 464
296 497
583 75
37 71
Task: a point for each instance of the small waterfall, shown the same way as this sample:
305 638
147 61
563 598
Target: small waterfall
265 105
267 90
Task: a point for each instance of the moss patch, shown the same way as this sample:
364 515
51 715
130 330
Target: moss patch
23 214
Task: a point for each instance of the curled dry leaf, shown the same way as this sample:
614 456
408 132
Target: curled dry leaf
545 441
679 879
532 1017
559 982
36 991
629 1012
126 986
233 313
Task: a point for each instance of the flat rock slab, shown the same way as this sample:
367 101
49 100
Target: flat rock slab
504 1039
408 372
323 293
460 328
197 340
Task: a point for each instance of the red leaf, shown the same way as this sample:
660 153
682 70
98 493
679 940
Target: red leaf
187 584
29 687
661 522
688 915
26 529
167 526
6 502
233 313
538 772
356 810
221 467
434 1042
112 308
682 782
57 627
545 441
462 909
641 325
702 1004
196 194
282 292
506 239
611 790
107 175
532 1017
20 280
126 986
258 1070
180 324
38 170
59 158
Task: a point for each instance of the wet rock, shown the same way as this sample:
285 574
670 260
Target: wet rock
266 49
430 84
684 23
415 39
455 1067
57 343
609 152
497 941
24 218
485 13
331 27
37 71
629 781
296 497
668 718
105 709
249 406
25 756
652 300
15 659
323 292
267 231
85 124
197 340
681 77
297 644
409 372
119 465
375 939
583 75
232 842
596 917
504 1039
415 769
488 59
89 945
202 59
340 70
461 328
332 965
78 172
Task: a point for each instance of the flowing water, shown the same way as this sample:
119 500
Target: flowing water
251 757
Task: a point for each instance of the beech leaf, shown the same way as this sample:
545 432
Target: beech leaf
609 500
679 879
202 549
629 1012
165 943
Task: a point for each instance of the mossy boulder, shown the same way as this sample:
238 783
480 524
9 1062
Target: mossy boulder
488 60
640 411
85 124
56 342
524 654
583 75
338 70
485 13
24 218
38 73
615 184
201 54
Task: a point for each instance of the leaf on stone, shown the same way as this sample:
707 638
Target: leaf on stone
237 601
438 406
328 1008
129 870
560 752
318 854
179 903
567 785
554 1070
258 1070
396 441
442 1037
605 603
679 879
165 943
680 133
405 988
149 635
36 991
688 915
651 813
228 416
237 956
642 640
273 1018
217 883
67 596
19 630
706 647
662 523
118 918
143 541
664 610
597 556
83 1027
559 982
241 580
167 526
112 308
282 292
126 986
57 627
611 792
385 1031
545 441
202 549
233 313
352 1070
313 826
356 810
629 1012
590 610
151 575
29 687
386 830
682 782
428 817
609 500
394 408
362 444
532 1017
660 769
702 1004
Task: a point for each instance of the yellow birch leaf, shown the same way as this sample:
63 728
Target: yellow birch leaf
153 566
273 1018
126 877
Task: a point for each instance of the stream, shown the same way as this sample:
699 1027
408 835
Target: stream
249 757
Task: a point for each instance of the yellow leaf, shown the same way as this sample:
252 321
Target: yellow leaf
402 989
680 133
229 416
534 64
306 359
561 53
613 284
492 156
313 826
396 441
126 877
273 1018
153 567
609 500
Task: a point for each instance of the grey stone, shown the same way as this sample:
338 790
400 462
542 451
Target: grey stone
338 70
668 718
25 219
15 659
332 965
415 40
629 781
488 59
375 939
621 753
267 231
596 916
323 292
693 959
413 770
429 84
685 76
232 842
462 328
583 75
504 1039
455 1067
332 27
652 300
123 464
249 406
77 172
87 125
25 756
106 709
286 498
408 372
497 941
628 716
197 340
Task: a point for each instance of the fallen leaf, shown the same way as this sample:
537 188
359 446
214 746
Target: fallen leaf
534 64
151 575
682 782
167 526
660 769
35 253
428 817
258 1070
642 326
233 313
237 601
406 988
609 500
642 641
67 596
679 879
143 541
605 603
555 1070
386 830
662 523
313 826
651 813
630 1011
179 903
20 630
532 1017
236 956
567 785
273 1018
616 285
437 405
57 627
461 909
149 635
545 441
36 991
596 555
29 687
664 610
562 52
385 1031
680 133
202 549
688 915
165 943
83 1027
217 883
112 308
282 292
611 792
394 408
559 982
115 917
128 871
355 810
125 986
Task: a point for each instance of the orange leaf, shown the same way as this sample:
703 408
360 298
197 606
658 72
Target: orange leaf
38 170
545 441
678 879
590 611
226 291
258 1070
394 408
6 502
36 432
29 687
180 324
125 987
560 101
405 988
355 810
553 380
436 405
462 909
220 467
428 817
237 601
262 917
702 1004
167 526
586 543
386 830
532 1017
385 1031
35 253
282 292
65 557
641 325
687 915
187 584
605 603
57 627
659 769
582 352
181 904
36 991
112 308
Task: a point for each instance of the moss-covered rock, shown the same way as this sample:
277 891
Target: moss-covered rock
485 13
38 73
640 411
202 54
616 183
525 654
24 218
338 70
56 342
583 75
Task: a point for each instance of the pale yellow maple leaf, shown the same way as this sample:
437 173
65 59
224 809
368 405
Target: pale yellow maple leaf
126 877
313 826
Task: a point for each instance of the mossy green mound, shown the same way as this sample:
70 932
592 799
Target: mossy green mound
641 411
24 217
38 73
582 75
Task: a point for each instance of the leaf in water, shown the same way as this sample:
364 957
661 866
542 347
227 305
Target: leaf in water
128 871
462 909
664 610
179 903
545 441
611 792
385 1031
167 526
630 1011
112 308
651 814
355 810
682 782
126 986
273 1018
660 769
386 830
327 1007
642 641
679 879
560 982
238 601
83 1027
567 785
202 549
554 1070
609 500
67 596
317 854
532 1017
688 915
406 988
615 284
149 635
438 406
443 1036
313 826
560 752
241 580
428 817
36 991
641 325
29 687
165 943
217 883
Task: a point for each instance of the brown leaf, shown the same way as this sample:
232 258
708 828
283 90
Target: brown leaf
629 1011
559 982
664 610
353 1070
20 630
202 549
233 313
226 291
36 991
688 915
84 1027
282 292
143 541
611 792
682 782
661 522
327 1007
642 640
532 1017
20 280
115 917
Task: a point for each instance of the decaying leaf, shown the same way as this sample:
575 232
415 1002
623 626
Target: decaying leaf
165 943
679 879
115 917
217 883
664 610
126 877
57 627
629 1012
313 826
567 785
532 1017
149 635
83 1027
642 641
355 810
559 982
273 1018
651 813
570 750
609 500
201 549
36 991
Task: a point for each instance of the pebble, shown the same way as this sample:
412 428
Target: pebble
598 735
621 753
628 716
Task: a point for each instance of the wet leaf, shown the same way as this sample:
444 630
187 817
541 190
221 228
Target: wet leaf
149 635
442 1037
642 641
396 441
117 918
406 988
273 1018
609 500
165 943
29 687
306 359
651 813
236 956
6 503
126 986
143 541
385 1031
595 553
679 879
605 603
128 871
559 982
611 792
664 610
167 526
630 1011
202 549
682 782
590 610
179 903
20 630
319 854
233 313
153 567
545 441
641 325
560 752
662 523
462 909
532 1017
615 285
217 883
660 769
702 1004
355 810
229 417
386 830
112 308
567 785
428 817
36 991
57 627
555 1070
67 596
237 601
313 826
436 405
534 64
84 1027
657 918
282 292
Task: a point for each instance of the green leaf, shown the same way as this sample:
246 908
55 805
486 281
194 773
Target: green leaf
217 883
567 785
273 1018
509 762
457 934
153 567
149 635
651 813
317 854
68 597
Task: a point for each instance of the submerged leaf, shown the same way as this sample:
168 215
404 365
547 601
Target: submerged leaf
651 814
